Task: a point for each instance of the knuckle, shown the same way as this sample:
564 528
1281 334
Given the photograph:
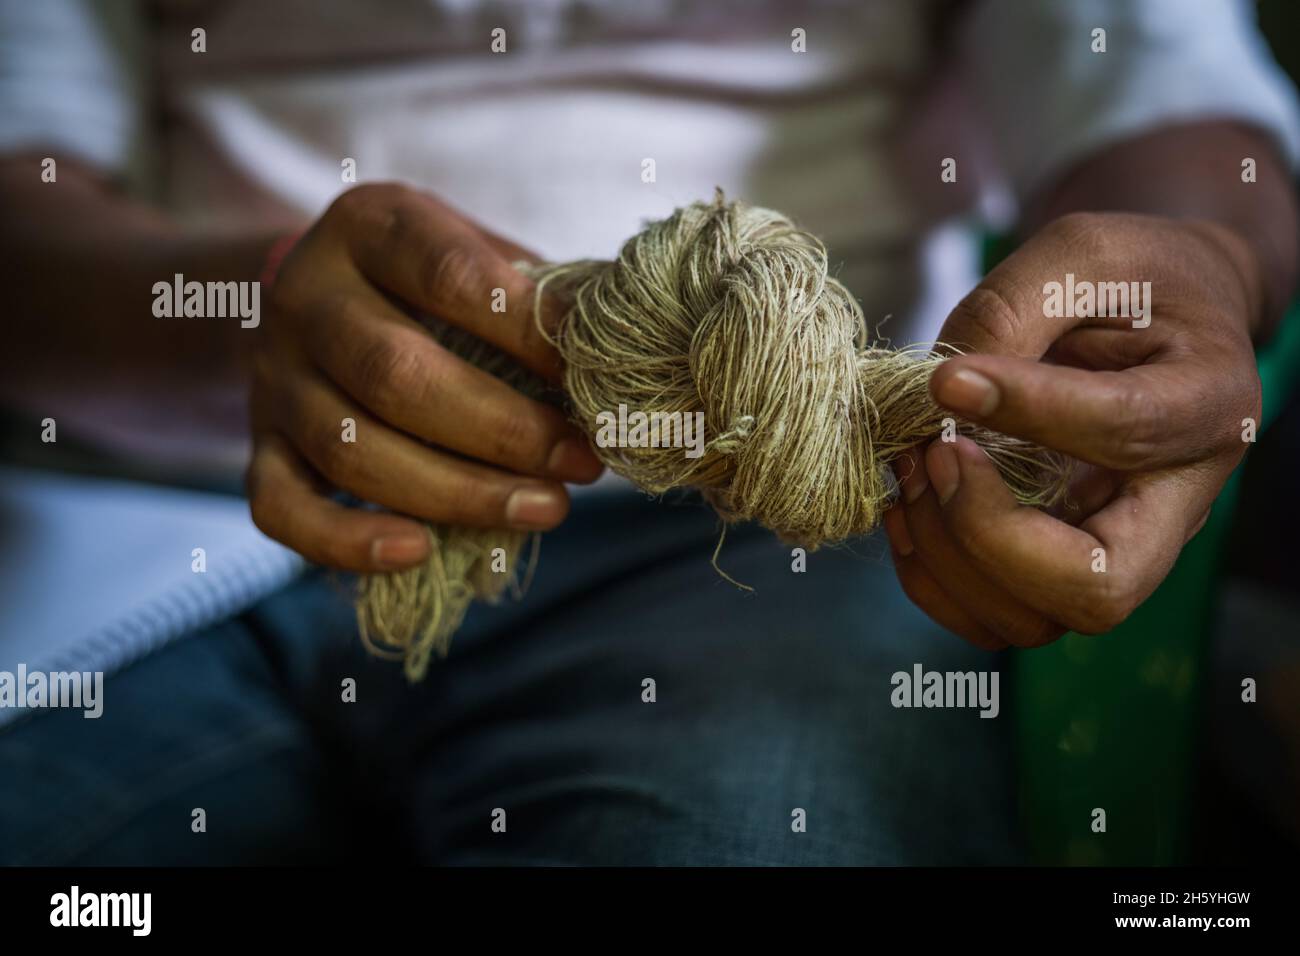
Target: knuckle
263 504
1084 233
377 210
394 220
1136 428
449 274
532 340
1109 605
519 437
345 204
973 536
1223 408
475 501
986 311
1094 622
1254 401
364 197
265 515
329 453
348 209
389 373
1033 631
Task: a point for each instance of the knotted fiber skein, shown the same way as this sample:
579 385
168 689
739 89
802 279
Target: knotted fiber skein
726 309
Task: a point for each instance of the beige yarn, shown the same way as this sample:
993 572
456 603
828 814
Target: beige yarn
725 309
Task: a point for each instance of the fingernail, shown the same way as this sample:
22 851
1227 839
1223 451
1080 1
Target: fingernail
969 393
532 508
914 481
945 474
399 551
572 458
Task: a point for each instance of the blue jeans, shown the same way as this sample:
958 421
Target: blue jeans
766 704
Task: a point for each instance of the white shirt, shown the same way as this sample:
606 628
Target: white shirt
546 142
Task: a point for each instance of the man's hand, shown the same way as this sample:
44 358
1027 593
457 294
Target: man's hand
1155 415
436 439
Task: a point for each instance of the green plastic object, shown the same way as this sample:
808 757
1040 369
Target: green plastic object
1112 721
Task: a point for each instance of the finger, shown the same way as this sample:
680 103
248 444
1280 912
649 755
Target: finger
507 248
1007 313
909 470
412 246
512 252
1145 417
1088 578
1173 505
287 505
895 524
1003 315
1090 489
390 469
926 593
997 608
1104 349
390 364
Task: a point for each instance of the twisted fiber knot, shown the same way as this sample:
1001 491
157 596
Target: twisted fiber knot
729 310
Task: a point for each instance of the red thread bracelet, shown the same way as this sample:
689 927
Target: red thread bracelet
275 257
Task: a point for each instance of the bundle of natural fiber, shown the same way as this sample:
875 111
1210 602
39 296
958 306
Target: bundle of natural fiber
727 310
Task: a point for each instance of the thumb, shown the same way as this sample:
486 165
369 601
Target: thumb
1135 418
